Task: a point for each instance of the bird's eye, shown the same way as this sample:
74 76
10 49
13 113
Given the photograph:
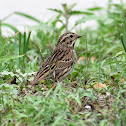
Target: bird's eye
71 36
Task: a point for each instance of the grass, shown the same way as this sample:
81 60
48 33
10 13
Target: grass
75 101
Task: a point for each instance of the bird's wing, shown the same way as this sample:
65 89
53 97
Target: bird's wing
52 66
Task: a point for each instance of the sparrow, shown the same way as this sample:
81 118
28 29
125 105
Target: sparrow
59 64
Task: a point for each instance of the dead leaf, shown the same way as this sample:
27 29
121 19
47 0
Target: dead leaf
99 85
83 58
80 59
74 84
122 80
93 58
109 69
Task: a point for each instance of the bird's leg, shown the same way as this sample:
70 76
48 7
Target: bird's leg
54 84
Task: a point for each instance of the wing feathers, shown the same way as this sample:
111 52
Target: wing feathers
55 65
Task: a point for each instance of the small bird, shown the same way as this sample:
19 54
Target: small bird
59 64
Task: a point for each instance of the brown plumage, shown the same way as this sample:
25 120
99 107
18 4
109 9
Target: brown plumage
59 64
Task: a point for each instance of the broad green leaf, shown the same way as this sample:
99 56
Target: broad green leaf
61 28
81 12
78 100
72 6
118 6
89 95
20 115
56 10
95 8
57 19
64 6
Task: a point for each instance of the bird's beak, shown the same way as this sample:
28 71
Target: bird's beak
78 36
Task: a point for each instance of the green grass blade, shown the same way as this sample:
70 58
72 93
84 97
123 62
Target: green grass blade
24 46
3 47
124 31
20 47
123 36
86 58
120 68
16 48
15 41
99 65
24 49
27 42
7 58
123 43
10 26
7 17
109 6
0 31
28 16
20 51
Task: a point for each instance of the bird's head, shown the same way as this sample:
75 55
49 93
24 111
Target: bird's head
68 39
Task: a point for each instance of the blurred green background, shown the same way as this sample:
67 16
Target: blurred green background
101 60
